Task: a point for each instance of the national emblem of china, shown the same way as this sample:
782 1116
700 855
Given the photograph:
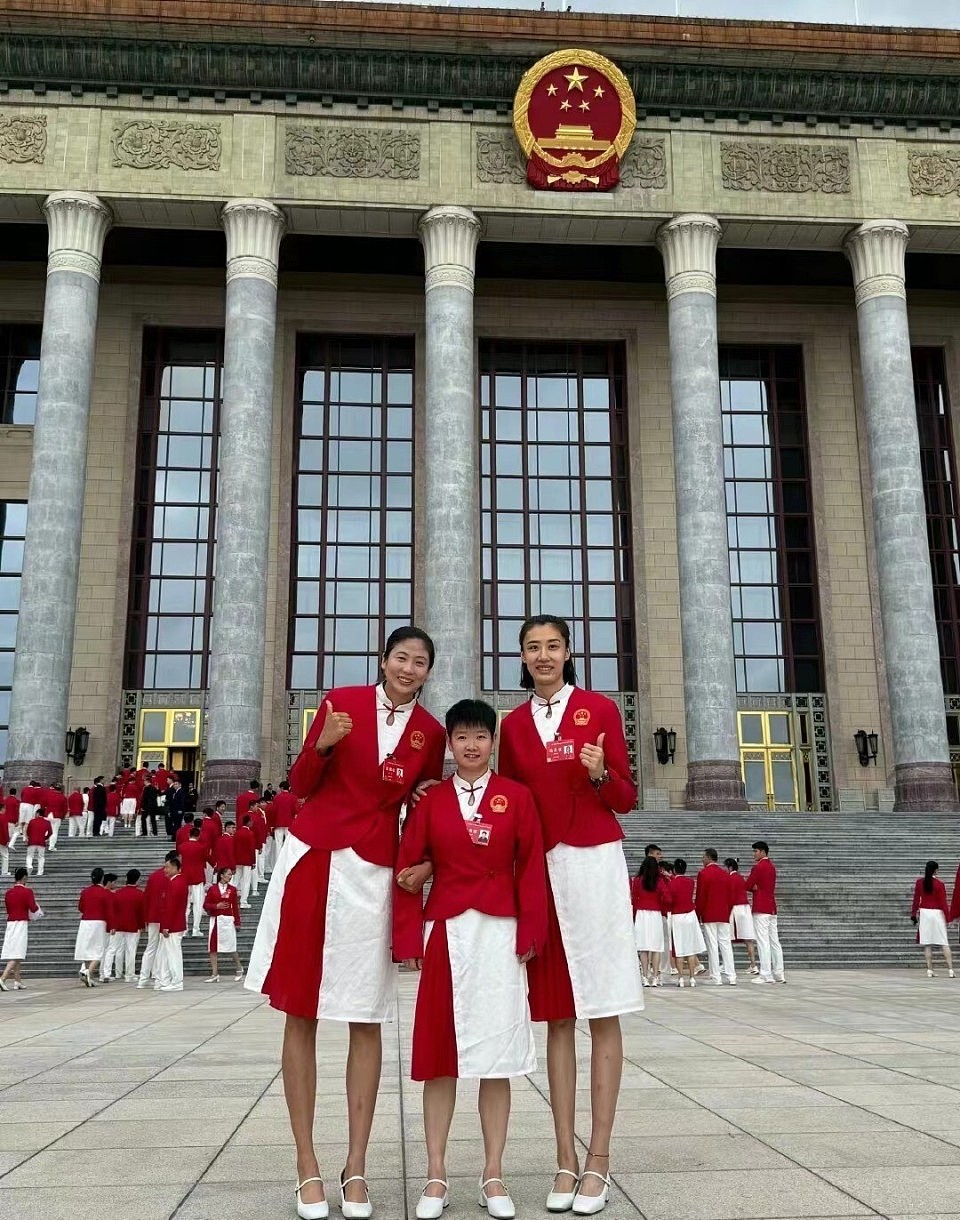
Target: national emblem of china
574 115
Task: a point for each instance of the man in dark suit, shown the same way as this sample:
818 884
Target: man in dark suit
174 808
98 803
149 805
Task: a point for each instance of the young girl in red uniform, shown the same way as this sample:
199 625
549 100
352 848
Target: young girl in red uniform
741 916
486 917
685 929
931 914
21 908
567 745
323 941
650 904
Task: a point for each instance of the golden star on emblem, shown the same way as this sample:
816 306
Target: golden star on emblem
551 90
598 92
575 78
584 105
564 105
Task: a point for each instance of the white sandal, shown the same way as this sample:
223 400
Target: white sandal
355 1211
589 1205
311 1211
499 1206
430 1208
562 1200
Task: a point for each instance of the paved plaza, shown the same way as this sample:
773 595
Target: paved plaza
837 1095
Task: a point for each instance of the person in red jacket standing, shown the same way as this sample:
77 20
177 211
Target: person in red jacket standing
487 913
762 883
323 940
246 799
31 796
173 924
4 843
567 745
38 835
931 914
11 811
648 890
56 812
21 906
713 907
245 853
153 894
742 930
75 814
127 909
284 811
193 857
113 809
685 930
224 853
222 904
95 914
258 824
129 801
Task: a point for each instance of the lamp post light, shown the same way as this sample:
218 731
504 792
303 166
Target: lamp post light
867 745
665 744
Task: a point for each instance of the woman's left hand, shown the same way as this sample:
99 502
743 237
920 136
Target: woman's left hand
523 958
592 757
413 879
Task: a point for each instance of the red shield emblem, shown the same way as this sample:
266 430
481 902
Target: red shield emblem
417 739
581 717
498 804
574 115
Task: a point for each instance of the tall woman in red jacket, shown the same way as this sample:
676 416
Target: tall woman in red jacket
486 918
567 746
931 914
323 941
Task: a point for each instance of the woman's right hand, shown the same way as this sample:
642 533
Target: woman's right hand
413 963
336 726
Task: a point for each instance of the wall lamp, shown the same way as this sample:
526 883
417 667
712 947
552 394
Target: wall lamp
665 743
866 747
76 743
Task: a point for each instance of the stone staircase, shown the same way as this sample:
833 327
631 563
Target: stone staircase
844 883
67 871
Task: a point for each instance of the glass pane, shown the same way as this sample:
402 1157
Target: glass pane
779 726
784 790
153 727
751 729
755 783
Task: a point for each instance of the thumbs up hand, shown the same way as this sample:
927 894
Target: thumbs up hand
592 757
336 726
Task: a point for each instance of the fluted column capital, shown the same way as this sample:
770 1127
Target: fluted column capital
77 225
254 229
450 236
688 244
877 250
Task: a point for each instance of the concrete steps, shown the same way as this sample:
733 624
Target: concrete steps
67 871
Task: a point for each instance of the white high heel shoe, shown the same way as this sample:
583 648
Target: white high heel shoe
355 1211
311 1211
499 1206
430 1208
562 1200
589 1205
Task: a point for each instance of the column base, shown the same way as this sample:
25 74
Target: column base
924 788
713 785
18 772
225 778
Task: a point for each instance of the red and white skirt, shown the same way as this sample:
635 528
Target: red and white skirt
472 1019
223 934
322 948
589 965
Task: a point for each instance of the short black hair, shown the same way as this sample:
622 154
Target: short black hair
133 876
226 869
710 853
108 877
247 821
171 855
230 823
731 862
96 875
223 803
284 785
651 847
471 714
207 809
21 874
680 866
760 845
195 831
254 785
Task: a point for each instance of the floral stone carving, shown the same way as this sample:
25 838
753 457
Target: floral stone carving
934 173
645 165
158 144
499 159
23 140
788 166
349 152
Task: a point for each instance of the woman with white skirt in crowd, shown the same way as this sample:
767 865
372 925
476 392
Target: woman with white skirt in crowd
930 913
685 928
21 910
649 893
91 944
222 904
741 914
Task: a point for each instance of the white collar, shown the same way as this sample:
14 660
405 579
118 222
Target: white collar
476 785
397 708
559 696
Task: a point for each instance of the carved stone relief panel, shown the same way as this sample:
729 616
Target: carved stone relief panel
645 164
351 152
22 139
498 158
159 144
753 165
934 173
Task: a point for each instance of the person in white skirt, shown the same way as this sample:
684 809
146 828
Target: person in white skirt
931 914
685 929
649 892
22 908
742 930
95 913
222 904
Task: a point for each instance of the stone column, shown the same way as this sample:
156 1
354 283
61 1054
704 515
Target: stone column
254 229
451 536
689 247
923 780
77 224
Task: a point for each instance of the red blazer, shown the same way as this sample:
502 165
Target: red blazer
211 828
131 791
650 900
31 795
244 801
95 903
955 904
128 909
183 834
161 778
571 810
38 831
20 902
507 877
934 901
193 857
284 809
218 904
153 893
74 804
347 803
244 847
713 903
738 890
225 852
763 882
680 895
57 804
4 828
173 907
258 824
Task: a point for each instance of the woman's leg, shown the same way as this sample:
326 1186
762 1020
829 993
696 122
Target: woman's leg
606 1069
948 957
562 1079
8 971
655 965
751 953
300 1089
214 971
928 955
363 1084
494 1107
439 1100
645 963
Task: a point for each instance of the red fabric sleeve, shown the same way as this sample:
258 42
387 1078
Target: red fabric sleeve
408 908
506 760
307 771
530 880
699 896
917 889
955 904
941 892
619 793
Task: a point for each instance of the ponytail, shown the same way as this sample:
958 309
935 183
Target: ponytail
928 872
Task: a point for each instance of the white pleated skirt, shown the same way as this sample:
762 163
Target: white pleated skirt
15 941
932 928
648 931
223 934
741 923
91 941
687 937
